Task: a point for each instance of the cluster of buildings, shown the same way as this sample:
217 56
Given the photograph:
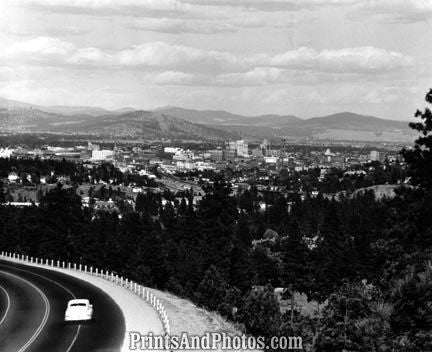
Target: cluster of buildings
234 153
263 155
259 163
90 152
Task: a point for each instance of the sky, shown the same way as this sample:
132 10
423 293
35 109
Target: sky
298 57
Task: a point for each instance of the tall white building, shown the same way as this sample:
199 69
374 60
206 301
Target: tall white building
232 145
242 148
91 146
102 155
172 150
265 146
374 155
5 153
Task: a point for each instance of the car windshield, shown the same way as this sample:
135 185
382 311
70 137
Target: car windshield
78 305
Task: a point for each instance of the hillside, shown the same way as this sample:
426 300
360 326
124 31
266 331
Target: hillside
136 124
179 123
215 117
9 104
205 116
75 110
345 126
350 126
351 121
26 119
15 104
148 125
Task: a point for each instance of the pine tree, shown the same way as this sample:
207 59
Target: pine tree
240 267
335 258
356 318
411 320
212 289
419 159
407 246
260 312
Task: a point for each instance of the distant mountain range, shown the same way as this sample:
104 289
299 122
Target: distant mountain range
214 117
178 123
342 126
21 117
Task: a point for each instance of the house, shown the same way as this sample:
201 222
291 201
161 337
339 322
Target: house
106 205
6 153
22 204
13 177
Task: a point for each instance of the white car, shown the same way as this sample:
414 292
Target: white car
79 310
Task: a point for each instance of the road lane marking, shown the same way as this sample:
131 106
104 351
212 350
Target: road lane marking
46 278
7 307
67 290
46 313
74 339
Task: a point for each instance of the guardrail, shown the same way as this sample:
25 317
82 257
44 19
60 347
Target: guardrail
138 289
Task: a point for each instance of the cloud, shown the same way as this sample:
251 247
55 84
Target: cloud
185 65
393 11
22 30
290 96
261 66
160 54
262 19
103 4
176 78
89 56
255 77
38 49
24 89
392 94
139 7
155 54
386 11
107 7
271 5
178 26
170 16
259 76
347 60
219 24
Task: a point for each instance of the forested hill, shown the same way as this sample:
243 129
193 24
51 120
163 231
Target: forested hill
21 117
178 123
207 253
339 126
146 124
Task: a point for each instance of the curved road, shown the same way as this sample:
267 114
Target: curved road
32 305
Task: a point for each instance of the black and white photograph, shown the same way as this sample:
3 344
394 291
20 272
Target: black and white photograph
216 175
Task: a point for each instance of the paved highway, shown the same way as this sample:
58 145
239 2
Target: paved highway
32 305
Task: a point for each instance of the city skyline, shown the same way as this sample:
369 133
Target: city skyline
306 58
